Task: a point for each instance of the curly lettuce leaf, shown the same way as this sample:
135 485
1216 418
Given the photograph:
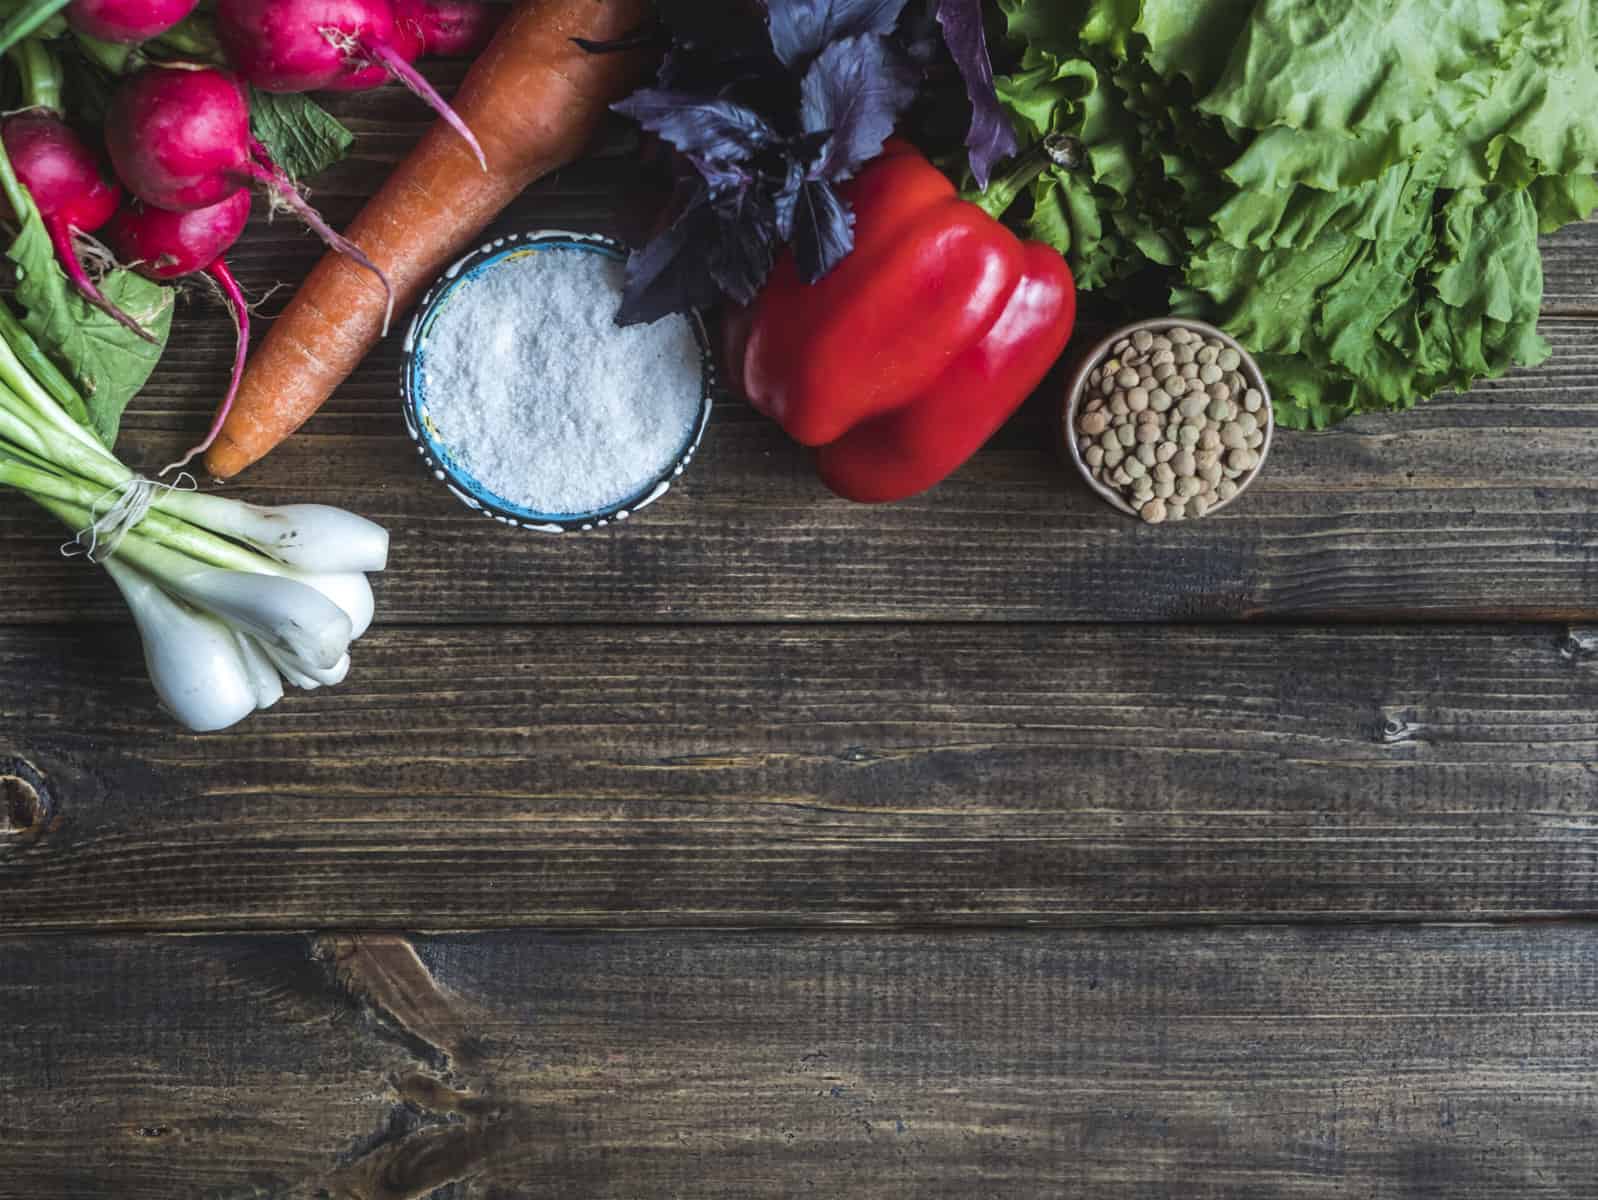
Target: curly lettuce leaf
1540 116
1352 69
1193 40
1354 191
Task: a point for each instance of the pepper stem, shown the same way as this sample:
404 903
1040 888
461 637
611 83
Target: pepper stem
1056 150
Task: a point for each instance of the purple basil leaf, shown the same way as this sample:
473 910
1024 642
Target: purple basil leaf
991 138
802 29
801 154
704 128
823 230
672 273
723 178
856 89
742 256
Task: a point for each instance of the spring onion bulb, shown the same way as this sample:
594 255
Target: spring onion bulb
264 679
302 674
194 661
281 613
351 591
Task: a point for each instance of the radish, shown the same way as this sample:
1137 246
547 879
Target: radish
72 196
180 140
308 45
448 28
432 28
163 245
127 21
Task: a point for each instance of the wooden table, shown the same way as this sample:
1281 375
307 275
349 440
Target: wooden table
987 845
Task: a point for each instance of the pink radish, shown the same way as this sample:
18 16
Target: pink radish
72 196
309 45
450 28
127 21
169 245
180 140
432 28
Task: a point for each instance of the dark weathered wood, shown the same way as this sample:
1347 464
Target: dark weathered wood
471 777
1570 278
1231 1064
1475 507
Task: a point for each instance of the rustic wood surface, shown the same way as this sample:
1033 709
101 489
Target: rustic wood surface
472 777
1219 1064
755 850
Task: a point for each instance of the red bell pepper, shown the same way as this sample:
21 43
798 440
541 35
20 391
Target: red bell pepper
912 353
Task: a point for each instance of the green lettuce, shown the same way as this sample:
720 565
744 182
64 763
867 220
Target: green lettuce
1354 191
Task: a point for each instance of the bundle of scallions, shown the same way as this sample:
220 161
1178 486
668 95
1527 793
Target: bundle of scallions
231 599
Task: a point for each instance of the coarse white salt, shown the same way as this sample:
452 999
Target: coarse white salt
543 399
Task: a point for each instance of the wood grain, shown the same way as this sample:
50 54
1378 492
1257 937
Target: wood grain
1570 280
1221 1064
477 777
1478 507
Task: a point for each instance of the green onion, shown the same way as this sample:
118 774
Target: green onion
230 599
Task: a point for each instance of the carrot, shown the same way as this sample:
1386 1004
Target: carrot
534 99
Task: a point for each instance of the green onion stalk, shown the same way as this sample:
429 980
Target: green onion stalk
231 599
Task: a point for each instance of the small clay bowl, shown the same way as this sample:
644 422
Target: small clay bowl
437 457
1076 394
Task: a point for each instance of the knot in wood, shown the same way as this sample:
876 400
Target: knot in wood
1579 645
26 807
1395 730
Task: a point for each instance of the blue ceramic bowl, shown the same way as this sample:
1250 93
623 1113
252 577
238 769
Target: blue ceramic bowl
440 460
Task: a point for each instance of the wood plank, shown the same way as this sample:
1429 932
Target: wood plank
1570 281
1228 1063
477 777
1480 507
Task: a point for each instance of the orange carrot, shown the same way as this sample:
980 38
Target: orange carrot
534 99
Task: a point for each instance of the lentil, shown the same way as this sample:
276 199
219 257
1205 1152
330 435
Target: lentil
1170 423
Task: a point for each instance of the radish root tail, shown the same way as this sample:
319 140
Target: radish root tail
241 324
403 71
66 252
265 171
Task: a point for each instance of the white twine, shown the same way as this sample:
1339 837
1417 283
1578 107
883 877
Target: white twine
130 503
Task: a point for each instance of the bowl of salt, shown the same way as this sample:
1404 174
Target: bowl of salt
532 406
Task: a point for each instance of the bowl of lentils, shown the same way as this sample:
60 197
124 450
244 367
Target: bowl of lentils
1168 420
